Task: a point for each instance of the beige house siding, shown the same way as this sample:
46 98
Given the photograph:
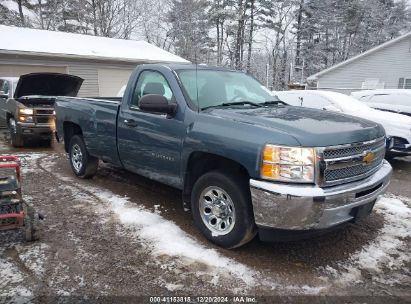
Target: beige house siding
386 65
89 73
16 65
112 80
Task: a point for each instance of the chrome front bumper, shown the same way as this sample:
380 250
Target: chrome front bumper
306 207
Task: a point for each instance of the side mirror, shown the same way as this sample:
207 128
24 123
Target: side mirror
157 104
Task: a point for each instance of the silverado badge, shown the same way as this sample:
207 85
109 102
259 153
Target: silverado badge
368 157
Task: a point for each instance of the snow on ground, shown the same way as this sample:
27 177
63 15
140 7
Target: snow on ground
157 232
174 287
28 161
34 257
388 252
11 280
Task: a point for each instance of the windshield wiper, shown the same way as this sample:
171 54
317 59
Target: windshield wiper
235 103
273 102
241 103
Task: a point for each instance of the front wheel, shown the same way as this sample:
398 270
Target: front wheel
16 139
83 164
48 142
222 210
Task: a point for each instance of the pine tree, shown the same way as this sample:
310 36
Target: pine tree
190 27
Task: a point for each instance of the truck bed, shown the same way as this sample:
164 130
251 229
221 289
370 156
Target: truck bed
97 118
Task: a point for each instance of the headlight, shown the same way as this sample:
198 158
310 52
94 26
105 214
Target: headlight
26 111
288 164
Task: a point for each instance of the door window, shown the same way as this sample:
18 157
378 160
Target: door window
4 86
151 82
402 99
381 98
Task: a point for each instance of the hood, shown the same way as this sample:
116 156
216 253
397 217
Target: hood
310 127
385 117
47 84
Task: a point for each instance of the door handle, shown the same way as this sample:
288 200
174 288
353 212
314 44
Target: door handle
130 123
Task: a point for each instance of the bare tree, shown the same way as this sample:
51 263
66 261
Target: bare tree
20 6
241 15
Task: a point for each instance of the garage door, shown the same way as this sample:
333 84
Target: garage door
110 81
10 70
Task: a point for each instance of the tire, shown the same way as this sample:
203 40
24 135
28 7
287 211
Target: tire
16 139
217 197
82 164
47 142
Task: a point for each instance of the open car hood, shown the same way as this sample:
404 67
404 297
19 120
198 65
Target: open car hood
47 84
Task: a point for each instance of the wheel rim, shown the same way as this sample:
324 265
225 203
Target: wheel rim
76 157
217 210
13 126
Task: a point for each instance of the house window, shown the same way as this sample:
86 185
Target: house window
404 83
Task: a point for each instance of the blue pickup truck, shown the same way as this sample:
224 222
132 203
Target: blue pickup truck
246 162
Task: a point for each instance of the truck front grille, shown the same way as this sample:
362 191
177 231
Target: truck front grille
44 116
44 112
355 149
347 163
43 120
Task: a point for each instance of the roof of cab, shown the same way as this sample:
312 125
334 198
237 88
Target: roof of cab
190 66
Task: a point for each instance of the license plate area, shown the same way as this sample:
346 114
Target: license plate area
362 211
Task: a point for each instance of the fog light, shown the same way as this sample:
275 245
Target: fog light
28 119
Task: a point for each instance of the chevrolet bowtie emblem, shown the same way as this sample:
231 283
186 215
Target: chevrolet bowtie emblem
368 157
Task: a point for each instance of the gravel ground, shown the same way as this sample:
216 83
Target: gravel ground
120 235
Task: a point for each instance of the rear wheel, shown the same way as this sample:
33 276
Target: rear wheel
83 164
221 206
16 139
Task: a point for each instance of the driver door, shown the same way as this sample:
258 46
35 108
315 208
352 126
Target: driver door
150 143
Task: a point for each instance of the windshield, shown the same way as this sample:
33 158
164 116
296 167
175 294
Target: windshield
210 88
